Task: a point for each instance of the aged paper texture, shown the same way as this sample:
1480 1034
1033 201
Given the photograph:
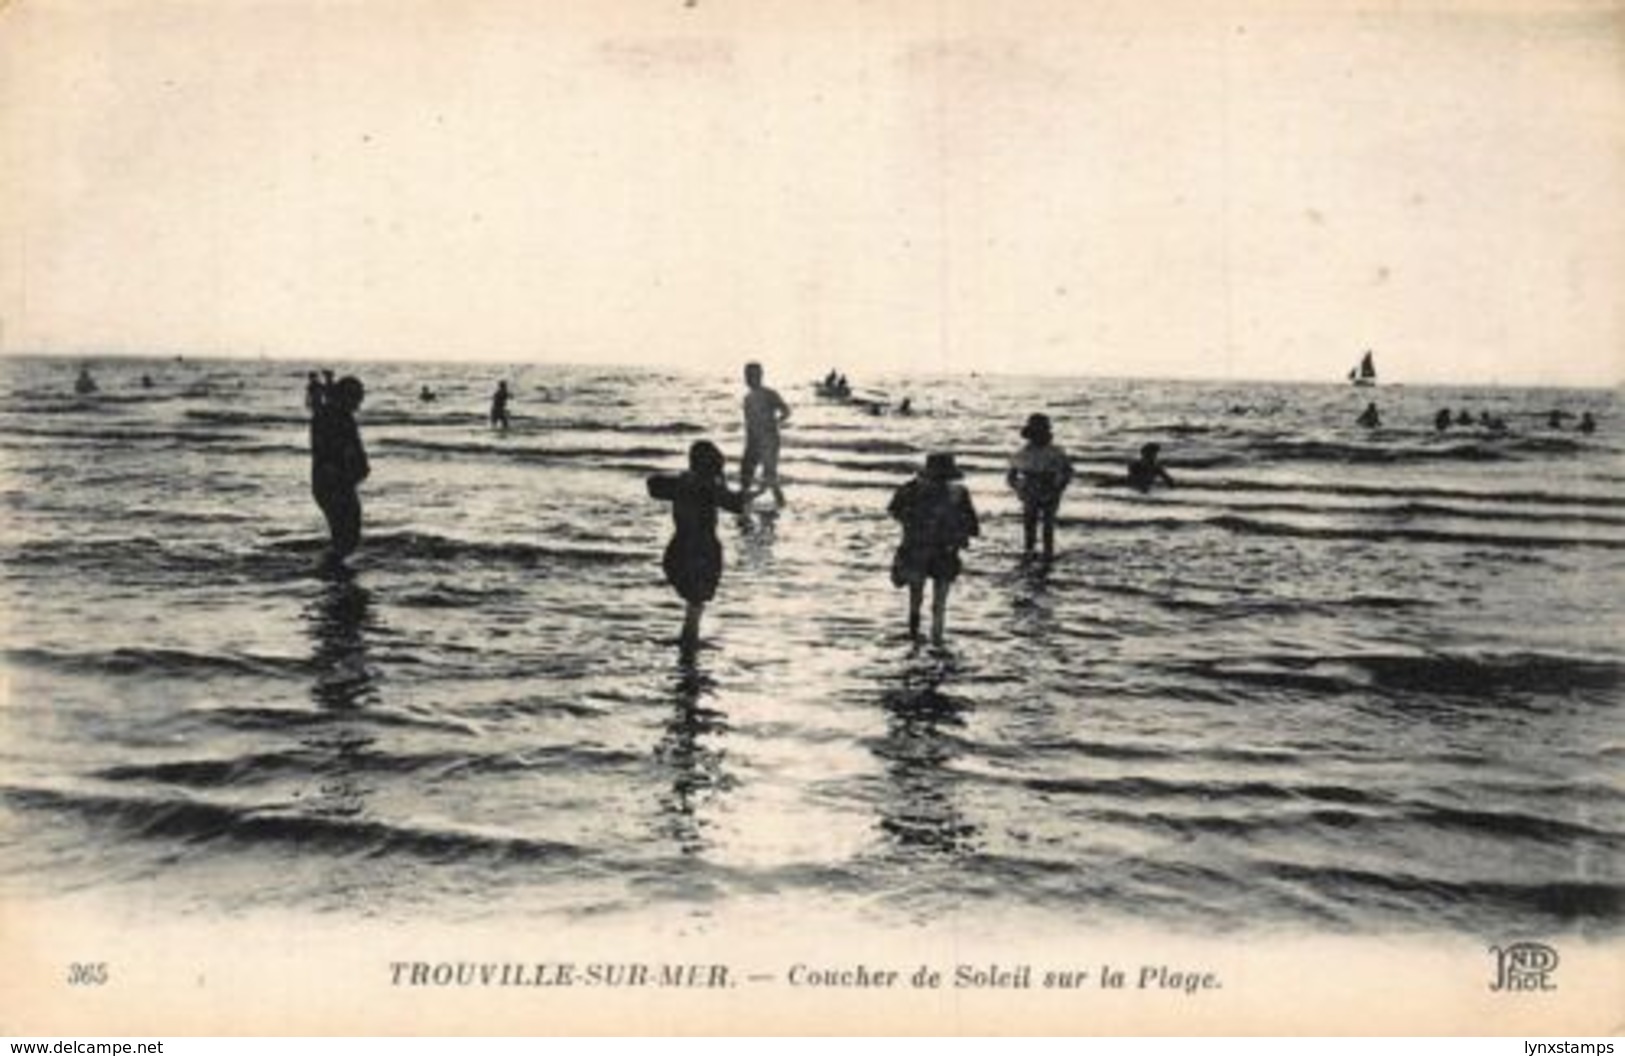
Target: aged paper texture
1195 190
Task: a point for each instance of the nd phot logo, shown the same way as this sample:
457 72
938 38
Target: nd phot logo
1524 966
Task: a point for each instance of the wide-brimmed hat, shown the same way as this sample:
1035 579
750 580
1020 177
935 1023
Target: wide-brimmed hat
1037 427
940 466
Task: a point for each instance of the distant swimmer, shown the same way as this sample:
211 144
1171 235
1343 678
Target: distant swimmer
499 406
84 385
1464 417
938 521
693 559
1370 417
1038 474
1492 422
765 412
427 395
906 408
146 381
1555 419
1441 421
1588 424
338 464
1146 472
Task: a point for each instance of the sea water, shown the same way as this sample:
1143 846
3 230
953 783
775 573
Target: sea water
1349 679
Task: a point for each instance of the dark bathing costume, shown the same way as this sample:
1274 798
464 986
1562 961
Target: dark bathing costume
693 558
338 463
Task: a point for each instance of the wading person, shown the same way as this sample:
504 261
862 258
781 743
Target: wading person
1146 472
765 411
338 465
693 559
499 407
938 521
1038 474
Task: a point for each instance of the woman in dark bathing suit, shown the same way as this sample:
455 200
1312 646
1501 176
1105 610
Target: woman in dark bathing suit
693 558
338 464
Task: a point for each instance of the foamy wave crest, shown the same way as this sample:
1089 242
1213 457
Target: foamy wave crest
1239 525
427 546
154 662
1477 677
196 822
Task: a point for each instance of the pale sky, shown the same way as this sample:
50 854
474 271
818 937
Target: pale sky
1215 190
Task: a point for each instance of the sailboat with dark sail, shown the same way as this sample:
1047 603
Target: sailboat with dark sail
1366 373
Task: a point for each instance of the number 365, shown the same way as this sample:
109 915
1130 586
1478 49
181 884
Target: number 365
87 974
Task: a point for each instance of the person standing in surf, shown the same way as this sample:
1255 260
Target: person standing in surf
938 520
1038 474
338 465
693 558
499 407
765 412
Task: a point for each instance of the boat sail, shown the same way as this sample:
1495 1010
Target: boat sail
1365 373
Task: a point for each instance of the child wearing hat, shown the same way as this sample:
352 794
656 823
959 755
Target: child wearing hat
1038 474
693 558
938 521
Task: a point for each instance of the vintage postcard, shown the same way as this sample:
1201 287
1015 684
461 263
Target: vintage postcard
869 516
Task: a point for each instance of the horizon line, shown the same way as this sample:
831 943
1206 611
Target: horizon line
386 359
